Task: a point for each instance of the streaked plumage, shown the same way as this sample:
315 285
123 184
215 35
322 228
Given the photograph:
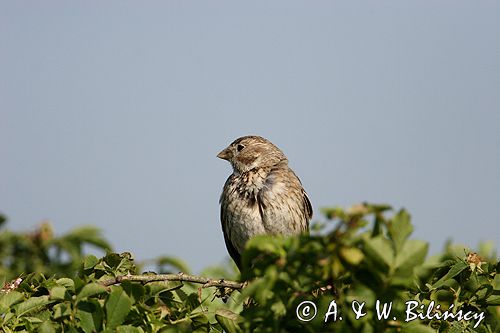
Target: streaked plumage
262 195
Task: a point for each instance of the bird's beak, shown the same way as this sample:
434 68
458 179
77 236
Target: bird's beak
226 154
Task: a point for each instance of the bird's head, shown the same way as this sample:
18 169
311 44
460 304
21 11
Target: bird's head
251 152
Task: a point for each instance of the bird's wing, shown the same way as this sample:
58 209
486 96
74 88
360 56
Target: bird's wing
308 208
229 245
226 225
283 203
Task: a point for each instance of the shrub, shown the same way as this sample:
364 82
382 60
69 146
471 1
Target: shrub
356 262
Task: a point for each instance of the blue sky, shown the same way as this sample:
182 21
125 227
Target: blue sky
112 113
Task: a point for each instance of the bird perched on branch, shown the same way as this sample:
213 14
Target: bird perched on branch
262 195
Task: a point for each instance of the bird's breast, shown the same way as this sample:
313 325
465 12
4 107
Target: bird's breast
243 219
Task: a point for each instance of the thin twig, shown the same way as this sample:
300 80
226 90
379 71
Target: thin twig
207 282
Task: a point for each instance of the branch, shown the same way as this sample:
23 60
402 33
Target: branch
207 282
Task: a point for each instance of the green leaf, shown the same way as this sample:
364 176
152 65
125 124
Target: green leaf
9 299
135 290
413 254
352 255
31 304
400 229
192 301
454 271
6 318
183 296
457 327
46 327
493 300
278 308
199 322
228 320
33 320
118 263
61 310
67 283
267 243
379 250
117 307
90 314
89 290
57 293
90 261
129 329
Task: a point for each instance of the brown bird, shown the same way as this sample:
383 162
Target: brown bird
262 195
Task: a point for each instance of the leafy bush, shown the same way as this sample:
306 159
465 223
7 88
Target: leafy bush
357 261
353 263
41 252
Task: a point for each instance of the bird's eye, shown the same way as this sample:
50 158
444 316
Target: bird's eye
239 147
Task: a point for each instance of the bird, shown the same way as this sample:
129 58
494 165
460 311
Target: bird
262 196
